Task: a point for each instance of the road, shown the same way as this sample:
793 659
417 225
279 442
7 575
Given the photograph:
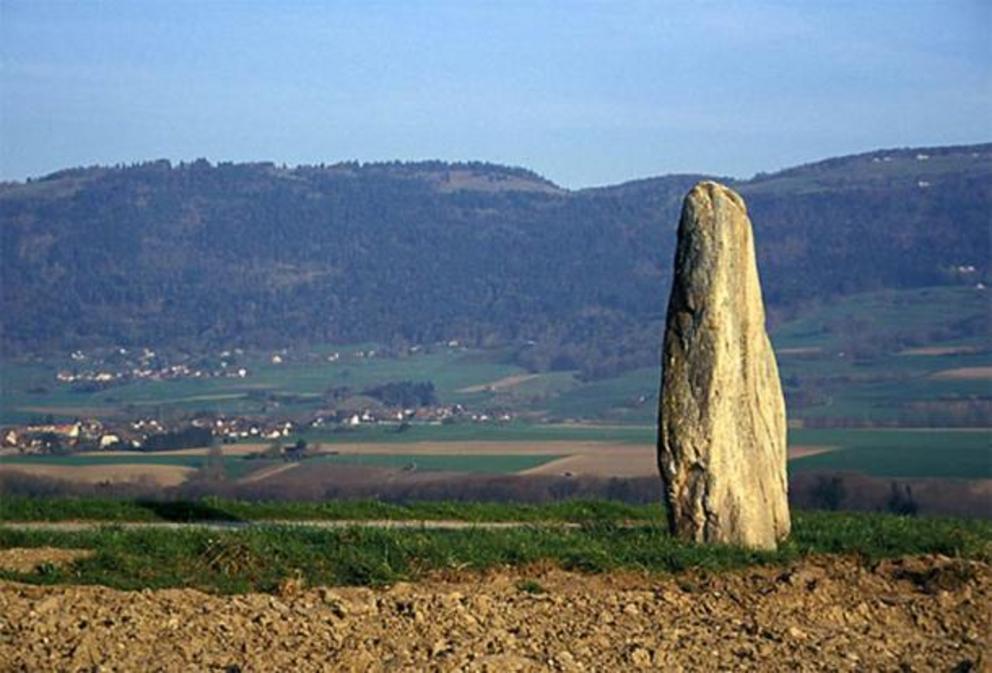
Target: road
73 526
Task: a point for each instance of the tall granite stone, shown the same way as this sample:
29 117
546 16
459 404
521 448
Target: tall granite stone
722 431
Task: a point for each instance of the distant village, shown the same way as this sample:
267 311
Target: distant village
150 434
396 406
144 364
97 370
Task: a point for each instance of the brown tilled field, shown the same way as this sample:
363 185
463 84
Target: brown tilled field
162 475
634 462
627 461
964 374
577 459
823 614
505 383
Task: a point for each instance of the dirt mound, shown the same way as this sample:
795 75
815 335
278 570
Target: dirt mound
917 614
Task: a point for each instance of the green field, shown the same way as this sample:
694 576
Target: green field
259 558
481 432
927 313
485 464
899 453
288 388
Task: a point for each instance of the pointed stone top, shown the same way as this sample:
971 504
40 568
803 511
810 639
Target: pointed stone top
710 192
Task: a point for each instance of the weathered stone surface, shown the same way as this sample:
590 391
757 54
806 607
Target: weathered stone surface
722 431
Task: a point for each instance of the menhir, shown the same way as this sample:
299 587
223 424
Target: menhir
722 428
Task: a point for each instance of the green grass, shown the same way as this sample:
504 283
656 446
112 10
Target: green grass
19 508
259 558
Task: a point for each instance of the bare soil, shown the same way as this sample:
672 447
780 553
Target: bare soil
803 451
632 462
504 383
162 475
939 350
964 374
628 461
27 560
836 614
266 472
588 458
799 350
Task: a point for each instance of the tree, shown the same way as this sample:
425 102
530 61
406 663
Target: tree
213 470
829 492
901 500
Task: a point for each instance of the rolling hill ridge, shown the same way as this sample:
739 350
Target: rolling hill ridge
197 255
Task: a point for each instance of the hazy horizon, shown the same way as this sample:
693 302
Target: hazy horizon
586 95
215 162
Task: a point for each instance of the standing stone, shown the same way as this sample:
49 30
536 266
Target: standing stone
722 431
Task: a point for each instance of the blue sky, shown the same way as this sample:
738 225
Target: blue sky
585 93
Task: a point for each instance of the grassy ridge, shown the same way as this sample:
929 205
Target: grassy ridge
261 558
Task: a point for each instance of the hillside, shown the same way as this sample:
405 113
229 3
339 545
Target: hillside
196 256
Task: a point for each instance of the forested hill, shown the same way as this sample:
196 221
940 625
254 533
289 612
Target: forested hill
201 256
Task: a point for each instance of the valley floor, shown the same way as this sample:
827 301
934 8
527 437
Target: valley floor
821 613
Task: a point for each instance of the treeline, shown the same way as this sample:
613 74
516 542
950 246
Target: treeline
184 438
407 394
198 256
820 491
